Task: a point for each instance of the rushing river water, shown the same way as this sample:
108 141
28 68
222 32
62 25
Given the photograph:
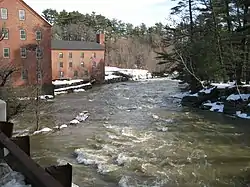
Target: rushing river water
138 135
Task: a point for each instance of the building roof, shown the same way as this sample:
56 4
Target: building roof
75 45
38 15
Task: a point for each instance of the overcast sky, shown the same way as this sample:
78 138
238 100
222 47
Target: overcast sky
131 11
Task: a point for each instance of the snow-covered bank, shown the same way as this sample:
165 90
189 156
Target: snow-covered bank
221 97
69 86
135 74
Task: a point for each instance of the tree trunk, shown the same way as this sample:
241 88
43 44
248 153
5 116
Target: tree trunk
218 39
243 61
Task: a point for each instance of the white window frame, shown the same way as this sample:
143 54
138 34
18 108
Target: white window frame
39 53
6 37
21 14
24 34
23 52
4 15
61 74
8 52
60 54
38 33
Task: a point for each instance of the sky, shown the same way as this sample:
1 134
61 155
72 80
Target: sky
129 11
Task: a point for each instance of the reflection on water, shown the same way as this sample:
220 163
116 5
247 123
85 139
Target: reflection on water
137 135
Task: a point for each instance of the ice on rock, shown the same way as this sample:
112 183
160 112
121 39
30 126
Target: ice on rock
163 129
74 121
63 126
46 129
155 116
80 117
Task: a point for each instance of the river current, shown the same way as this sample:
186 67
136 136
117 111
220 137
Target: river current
137 134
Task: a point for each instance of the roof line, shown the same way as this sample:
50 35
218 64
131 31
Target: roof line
53 48
36 13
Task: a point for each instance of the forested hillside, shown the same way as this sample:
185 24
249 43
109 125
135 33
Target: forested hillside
127 46
211 40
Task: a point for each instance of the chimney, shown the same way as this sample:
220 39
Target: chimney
100 38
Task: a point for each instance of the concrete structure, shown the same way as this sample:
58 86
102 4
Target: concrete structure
26 45
3 110
78 59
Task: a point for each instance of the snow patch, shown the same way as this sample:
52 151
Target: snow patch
224 85
44 97
235 97
242 115
74 121
136 74
66 82
72 87
155 116
207 90
215 107
62 92
79 90
80 117
46 129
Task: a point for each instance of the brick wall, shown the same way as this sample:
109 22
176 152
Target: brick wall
69 66
31 24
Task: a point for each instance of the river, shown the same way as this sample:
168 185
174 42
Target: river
138 135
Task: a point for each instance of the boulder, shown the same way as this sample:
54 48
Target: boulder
196 100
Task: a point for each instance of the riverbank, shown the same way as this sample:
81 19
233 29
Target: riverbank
224 98
112 75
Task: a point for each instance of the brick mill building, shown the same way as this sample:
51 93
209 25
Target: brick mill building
78 59
26 45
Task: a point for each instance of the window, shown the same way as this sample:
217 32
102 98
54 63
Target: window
39 53
70 64
4 13
82 54
70 54
86 72
76 73
39 75
5 33
23 52
61 64
60 55
61 74
38 35
22 34
22 15
6 52
82 64
24 74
